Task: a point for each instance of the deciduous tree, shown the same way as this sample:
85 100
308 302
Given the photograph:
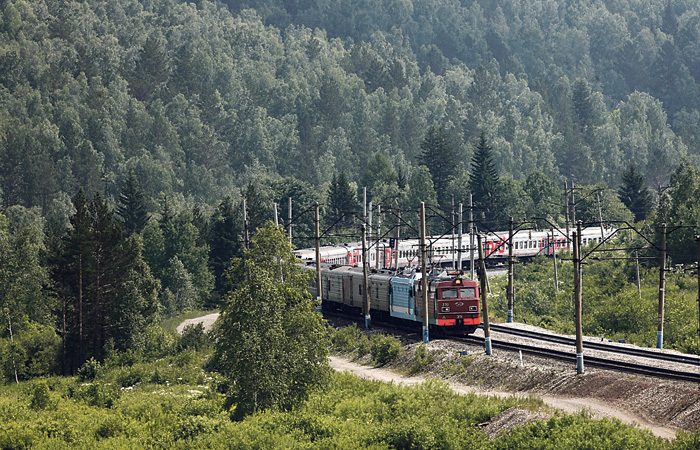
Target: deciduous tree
272 344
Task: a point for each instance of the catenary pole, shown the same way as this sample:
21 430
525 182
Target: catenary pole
577 299
378 235
277 220
554 257
317 236
566 202
471 235
511 290
484 300
459 238
424 276
365 274
662 289
289 224
396 244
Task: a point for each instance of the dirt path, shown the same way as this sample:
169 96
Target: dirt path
595 407
570 405
207 321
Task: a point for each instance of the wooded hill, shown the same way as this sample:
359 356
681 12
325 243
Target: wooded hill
199 98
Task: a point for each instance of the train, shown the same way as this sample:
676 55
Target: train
444 251
395 297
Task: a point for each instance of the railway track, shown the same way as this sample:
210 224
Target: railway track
570 356
601 346
592 361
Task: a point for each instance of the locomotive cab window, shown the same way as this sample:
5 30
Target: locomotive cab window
450 293
467 292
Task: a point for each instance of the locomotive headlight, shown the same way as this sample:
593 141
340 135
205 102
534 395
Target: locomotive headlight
445 308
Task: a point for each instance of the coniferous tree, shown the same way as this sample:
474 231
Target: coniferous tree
341 200
483 179
438 155
224 242
132 206
636 197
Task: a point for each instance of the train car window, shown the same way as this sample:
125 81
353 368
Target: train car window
450 293
467 292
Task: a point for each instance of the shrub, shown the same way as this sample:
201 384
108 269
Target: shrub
39 396
89 370
421 359
385 349
194 338
97 394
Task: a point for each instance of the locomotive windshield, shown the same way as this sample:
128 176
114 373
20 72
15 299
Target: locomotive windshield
463 292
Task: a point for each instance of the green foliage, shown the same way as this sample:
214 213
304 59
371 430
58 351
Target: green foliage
346 339
40 397
271 342
421 359
194 338
385 349
89 370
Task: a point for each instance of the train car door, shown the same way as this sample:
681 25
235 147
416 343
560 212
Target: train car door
347 291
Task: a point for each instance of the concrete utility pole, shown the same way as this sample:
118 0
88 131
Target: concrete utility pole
697 240
459 239
379 234
246 241
484 301
424 276
277 221
662 289
573 204
289 224
566 202
365 273
600 217
471 235
511 289
454 264
577 298
396 244
639 281
317 236
554 257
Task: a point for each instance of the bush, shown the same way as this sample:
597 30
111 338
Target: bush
194 338
385 349
40 398
96 394
89 370
421 359
345 339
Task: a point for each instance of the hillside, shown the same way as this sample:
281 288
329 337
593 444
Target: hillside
196 99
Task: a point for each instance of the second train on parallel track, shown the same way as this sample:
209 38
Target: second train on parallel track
443 251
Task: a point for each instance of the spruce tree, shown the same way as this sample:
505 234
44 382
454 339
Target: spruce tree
224 242
483 179
341 200
438 155
636 197
132 206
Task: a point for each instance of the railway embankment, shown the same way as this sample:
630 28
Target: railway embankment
663 406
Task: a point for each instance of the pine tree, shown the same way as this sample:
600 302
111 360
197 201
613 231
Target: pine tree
438 155
132 206
634 195
483 178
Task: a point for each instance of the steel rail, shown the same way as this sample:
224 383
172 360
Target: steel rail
668 357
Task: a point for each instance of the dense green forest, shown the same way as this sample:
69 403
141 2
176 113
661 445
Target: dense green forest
131 132
199 98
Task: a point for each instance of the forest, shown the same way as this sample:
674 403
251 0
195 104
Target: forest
132 132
